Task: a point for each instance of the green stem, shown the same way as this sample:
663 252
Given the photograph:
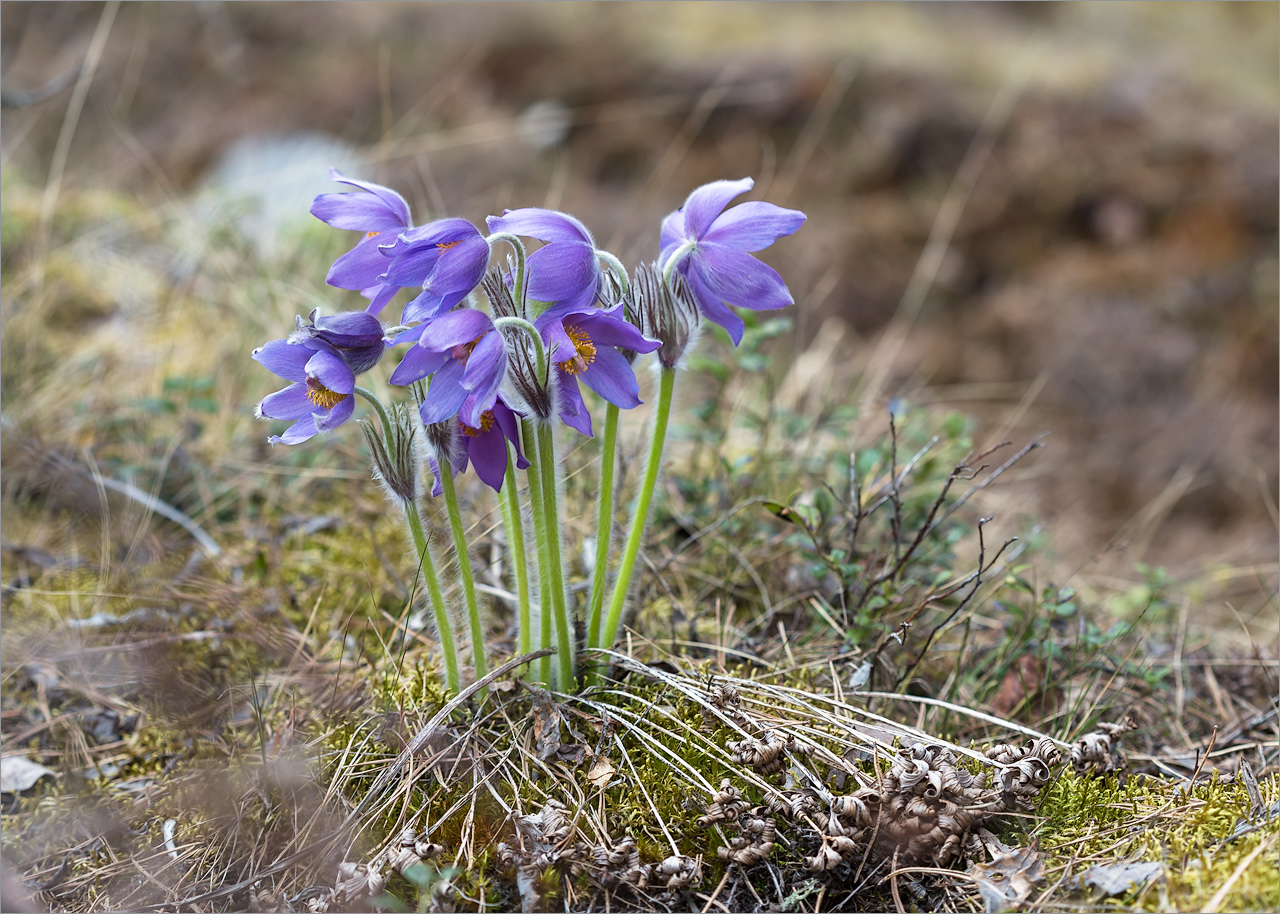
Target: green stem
518 246
464 571
534 475
662 412
444 627
373 400
513 521
555 560
604 525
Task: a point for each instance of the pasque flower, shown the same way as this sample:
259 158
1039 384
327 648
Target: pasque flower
356 336
710 247
581 344
446 258
321 395
564 270
485 447
464 353
381 214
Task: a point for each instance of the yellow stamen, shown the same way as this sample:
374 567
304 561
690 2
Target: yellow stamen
486 424
443 246
368 235
322 396
462 352
583 357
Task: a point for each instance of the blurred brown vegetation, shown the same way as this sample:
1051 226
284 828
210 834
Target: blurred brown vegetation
1112 276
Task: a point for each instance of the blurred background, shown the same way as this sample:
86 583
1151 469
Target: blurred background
1049 216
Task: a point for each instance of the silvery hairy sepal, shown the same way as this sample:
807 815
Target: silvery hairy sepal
664 312
396 461
522 365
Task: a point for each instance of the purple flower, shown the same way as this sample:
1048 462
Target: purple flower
465 355
447 258
581 345
713 250
356 336
321 396
486 444
565 269
380 210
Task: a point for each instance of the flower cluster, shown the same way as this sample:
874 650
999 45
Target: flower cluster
483 375
495 358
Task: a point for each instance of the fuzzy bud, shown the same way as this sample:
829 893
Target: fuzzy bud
662 312
396 462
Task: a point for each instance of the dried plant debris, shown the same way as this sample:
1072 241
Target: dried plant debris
754 841
1099 751
543 842
1119 878
1007 881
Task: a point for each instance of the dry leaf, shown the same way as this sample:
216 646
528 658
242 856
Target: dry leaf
19 773
601 772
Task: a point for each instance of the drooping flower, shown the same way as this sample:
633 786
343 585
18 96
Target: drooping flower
376 213
581 346
564 271
446 258
711 248
356 336
465 356
455 444
322 395
486 444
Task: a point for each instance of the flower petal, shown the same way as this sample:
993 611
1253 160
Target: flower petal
608 328
392 202
488 453
510 425
708 201
445 395
331 371
610 376
331 419
754 225
416 365
740 279
547 225
460 268
454 329
561 270
291 403
359 212
673 232
713 308
288 360
297 433
573 412
360 267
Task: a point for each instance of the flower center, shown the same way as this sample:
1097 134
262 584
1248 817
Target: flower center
585 352
462 351
368 235
486 423
322 396
443 246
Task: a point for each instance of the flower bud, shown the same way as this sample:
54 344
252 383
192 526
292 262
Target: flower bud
396 461
662 312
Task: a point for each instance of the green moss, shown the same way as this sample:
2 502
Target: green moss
1088 820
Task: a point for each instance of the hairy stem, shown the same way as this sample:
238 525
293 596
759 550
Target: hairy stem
604 525
555 561
540 535
662 412
513 522
464 571
444 626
